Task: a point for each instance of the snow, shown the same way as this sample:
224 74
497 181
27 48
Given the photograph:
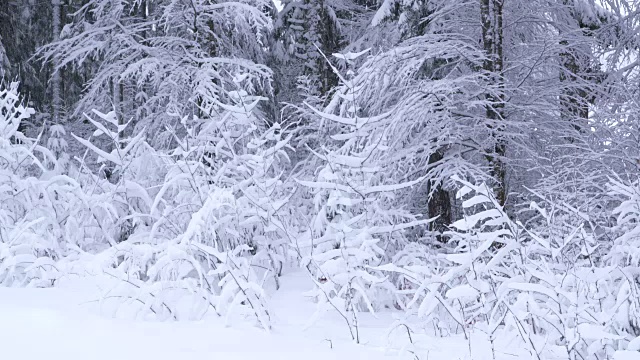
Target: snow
64 328
462 291
67 323
626 355
590 331
634 345
383 12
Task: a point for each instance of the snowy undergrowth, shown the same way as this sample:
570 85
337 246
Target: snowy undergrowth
197 228
33 201
354 227
552 289
209 232
206 226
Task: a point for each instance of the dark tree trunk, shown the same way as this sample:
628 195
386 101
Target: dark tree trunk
492 37
577 74
439 203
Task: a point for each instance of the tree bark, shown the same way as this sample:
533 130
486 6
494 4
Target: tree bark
491 17
576 74
439 203
56 103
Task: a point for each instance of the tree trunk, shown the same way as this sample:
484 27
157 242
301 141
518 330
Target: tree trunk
56 80
576 74
492 36
439 203
574 103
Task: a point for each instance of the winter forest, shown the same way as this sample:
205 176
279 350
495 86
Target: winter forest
360 179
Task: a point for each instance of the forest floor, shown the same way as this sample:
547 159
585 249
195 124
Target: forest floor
66 323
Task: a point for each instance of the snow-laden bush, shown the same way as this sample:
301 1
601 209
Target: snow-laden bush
114 188
204 223
355 228
34 202
548 285
623 260
456 290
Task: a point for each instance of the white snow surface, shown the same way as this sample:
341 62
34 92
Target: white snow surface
68 323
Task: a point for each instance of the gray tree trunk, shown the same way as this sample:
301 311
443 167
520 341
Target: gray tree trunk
491 16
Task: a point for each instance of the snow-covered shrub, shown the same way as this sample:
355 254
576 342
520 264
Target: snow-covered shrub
195 264
114 196
343 246
623 260
238 154
353 229
460 286
202 224
33 203
547 285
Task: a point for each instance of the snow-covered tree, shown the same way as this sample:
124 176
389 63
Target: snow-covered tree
308 32
161 61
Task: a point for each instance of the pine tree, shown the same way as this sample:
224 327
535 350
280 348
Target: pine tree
311 31
55 81
308 29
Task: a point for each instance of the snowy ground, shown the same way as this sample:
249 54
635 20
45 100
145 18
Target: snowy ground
64 323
